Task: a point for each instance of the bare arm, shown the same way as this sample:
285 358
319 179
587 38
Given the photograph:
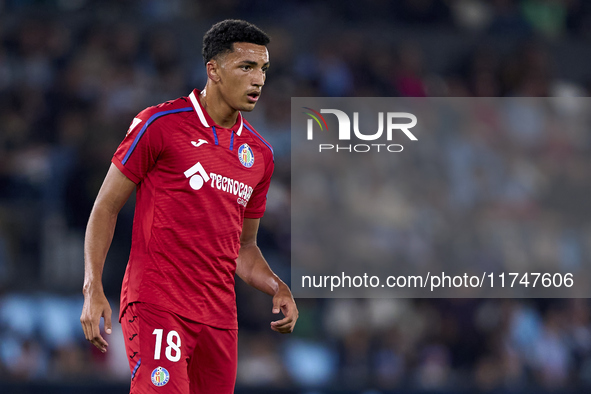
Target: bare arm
113 194
254 270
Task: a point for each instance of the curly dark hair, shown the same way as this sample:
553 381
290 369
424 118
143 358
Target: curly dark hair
221 37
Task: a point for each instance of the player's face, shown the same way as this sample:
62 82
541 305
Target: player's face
242 75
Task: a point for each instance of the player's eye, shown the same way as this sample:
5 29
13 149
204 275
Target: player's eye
265 69
245 67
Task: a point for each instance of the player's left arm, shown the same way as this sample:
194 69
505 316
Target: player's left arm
254 270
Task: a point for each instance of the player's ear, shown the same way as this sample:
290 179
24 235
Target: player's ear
212 70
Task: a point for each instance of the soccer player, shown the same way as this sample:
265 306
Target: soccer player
201 172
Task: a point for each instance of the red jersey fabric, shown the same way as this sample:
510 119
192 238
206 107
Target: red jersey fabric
196 182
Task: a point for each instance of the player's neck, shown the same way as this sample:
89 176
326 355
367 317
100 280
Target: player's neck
221 113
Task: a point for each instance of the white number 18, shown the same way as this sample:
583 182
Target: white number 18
172 345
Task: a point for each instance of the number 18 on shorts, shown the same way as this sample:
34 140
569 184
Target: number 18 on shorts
170 354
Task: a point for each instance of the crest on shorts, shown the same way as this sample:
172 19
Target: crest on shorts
160 376
245 155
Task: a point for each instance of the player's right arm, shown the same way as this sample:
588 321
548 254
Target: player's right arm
113 194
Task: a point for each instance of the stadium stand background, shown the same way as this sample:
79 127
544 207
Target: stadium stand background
73 73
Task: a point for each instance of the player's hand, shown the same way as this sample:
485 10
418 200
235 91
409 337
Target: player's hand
95 307
283 302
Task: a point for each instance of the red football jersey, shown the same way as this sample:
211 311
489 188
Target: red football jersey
196 182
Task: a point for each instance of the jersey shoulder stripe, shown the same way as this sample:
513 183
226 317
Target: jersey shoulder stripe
148 122
260 138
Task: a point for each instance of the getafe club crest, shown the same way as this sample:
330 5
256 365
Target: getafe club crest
160 376
245 155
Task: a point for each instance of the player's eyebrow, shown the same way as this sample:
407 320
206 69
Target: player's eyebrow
253 63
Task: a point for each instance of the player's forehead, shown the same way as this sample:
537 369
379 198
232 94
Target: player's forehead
246 51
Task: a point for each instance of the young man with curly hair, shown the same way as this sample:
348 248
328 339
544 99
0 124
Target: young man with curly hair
201 173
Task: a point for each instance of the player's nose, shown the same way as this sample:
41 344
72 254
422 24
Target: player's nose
258 78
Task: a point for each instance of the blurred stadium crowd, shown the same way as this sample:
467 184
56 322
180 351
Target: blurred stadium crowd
73 73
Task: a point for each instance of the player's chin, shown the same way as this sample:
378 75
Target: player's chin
247 107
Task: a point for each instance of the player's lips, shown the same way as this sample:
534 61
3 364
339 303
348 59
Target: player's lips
253 97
